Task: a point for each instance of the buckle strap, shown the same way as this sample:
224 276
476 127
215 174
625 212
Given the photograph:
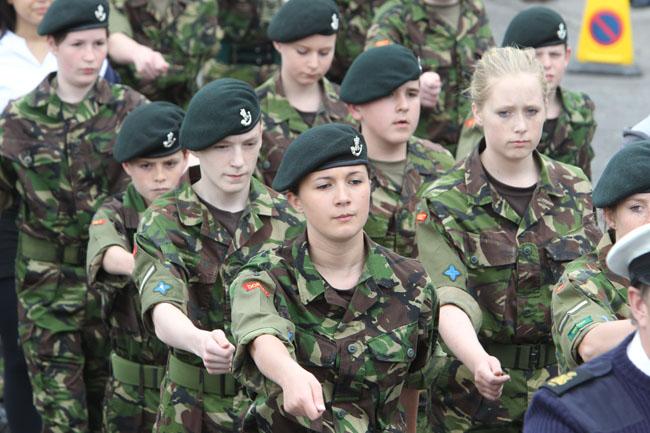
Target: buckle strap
523 356
133 373
198 378
254 54
47 251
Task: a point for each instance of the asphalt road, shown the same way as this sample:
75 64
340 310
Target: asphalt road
620 101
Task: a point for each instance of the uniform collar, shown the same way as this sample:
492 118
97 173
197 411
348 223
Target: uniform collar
637 355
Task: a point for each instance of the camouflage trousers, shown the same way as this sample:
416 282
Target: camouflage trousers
66 345
189 411
129 408
455 405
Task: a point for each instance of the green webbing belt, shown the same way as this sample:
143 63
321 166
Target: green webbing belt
48 251
523 356
132 373
198 378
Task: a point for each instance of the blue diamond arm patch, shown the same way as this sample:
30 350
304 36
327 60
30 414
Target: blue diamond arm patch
452 272
162 288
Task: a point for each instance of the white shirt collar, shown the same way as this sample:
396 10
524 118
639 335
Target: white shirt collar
637 355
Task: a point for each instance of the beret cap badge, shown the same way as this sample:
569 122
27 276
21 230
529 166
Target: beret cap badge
169 142
335 22
100 13
561 31
357 148
246 117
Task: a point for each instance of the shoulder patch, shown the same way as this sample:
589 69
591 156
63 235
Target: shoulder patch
452 273
421 217
252 285
99 222
470 122
561 384
383 42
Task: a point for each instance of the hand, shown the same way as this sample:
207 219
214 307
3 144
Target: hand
303 394
430 86
216 352
149 64
489 378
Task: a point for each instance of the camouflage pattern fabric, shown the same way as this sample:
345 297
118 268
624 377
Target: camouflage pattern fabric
187 258
56 161
451 51
127 407
283 123
391 222
570 142
356 18
506 266
186 33
363 352
587 295
245 52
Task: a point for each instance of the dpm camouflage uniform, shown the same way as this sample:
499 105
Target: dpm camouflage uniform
56 159
245 52
391 222
570 142
185 257
502 275
356 17
363 351
283 123
138 358
184 32
451 51
587 295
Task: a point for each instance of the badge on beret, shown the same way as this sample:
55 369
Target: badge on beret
100 13
335 22
358 147
246 117
420 64
561 32
170 140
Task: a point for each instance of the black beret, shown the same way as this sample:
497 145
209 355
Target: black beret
318 148
298 19
626 174
375 73
222 108
149 131
69 15
535 27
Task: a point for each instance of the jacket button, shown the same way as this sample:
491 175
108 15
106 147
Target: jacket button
352 348
410 352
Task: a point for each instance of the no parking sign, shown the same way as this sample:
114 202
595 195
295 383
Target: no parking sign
606 35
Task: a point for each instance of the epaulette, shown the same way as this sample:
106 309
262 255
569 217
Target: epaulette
559 385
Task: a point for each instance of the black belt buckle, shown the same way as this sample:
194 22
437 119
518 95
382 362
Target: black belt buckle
534 356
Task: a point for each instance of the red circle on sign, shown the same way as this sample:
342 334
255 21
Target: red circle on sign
606 27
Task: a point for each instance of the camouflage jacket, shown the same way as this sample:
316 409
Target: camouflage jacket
184 32
391 222
506 264
187 258
587 294
570 142
283 123
450 51
363 352
57 158
356 18
115 223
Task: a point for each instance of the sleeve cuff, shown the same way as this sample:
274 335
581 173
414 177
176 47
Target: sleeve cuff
448 295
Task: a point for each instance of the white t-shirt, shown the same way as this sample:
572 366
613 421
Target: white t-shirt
20 71
637 355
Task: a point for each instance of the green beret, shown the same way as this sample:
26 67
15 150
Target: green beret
222 108
535 27
69 15
626 174
298 19
149 131
375 73
319 148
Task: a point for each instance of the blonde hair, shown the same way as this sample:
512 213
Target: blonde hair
498 62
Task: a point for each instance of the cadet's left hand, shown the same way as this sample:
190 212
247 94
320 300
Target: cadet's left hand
430 86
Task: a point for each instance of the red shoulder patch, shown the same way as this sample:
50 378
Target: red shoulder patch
252 285
469 123
383 42
421 217
98 222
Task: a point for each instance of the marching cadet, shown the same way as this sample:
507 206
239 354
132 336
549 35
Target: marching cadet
56 159
590 310
382 90
449 36
609 393
190 245
570 123
298 96
149 151
500 228
333 332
